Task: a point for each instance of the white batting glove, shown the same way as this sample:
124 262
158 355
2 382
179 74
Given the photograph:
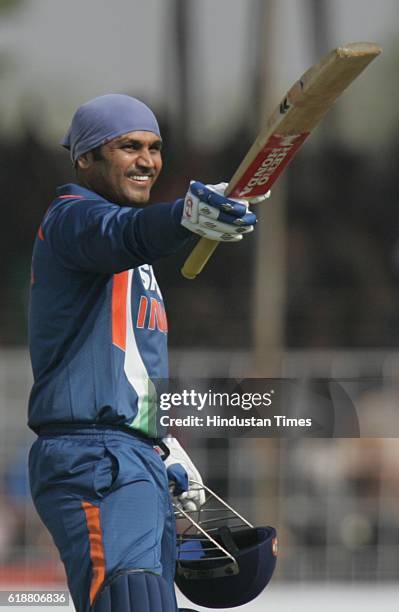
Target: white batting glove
220 188
210 214
261 198
181 470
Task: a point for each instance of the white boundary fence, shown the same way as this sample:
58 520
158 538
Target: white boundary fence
334 501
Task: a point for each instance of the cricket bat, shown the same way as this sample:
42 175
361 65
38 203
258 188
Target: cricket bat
298 113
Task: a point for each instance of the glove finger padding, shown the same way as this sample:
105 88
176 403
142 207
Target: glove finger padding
212 235
220 189
193 499
260 198
223 228
211 195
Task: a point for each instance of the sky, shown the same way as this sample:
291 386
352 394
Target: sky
61 53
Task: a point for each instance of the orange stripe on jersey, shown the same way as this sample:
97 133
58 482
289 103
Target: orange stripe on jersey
96 548
142 312
119 295
157 316
40 233
164 319
154 316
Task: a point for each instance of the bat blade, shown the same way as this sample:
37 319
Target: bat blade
298 113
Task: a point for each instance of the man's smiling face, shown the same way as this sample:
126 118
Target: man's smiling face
124 169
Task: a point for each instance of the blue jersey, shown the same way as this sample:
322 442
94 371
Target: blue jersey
97 322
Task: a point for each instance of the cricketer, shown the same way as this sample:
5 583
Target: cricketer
99 472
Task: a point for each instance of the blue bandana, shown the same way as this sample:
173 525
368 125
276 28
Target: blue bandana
105 118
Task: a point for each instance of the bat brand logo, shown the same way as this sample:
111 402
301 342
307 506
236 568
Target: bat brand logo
188 208
274 156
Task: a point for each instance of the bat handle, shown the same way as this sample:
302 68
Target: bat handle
198 258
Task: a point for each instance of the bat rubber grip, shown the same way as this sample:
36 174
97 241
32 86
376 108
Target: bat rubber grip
198 258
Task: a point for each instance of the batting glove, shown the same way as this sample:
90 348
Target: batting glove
181 472
210 214
220 188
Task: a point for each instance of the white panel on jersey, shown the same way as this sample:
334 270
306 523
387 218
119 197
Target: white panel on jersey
136 372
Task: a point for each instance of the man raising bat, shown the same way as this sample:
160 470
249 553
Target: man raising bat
98 337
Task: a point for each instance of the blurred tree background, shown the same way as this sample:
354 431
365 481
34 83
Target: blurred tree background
342 252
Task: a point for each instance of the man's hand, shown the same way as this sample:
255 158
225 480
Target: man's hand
210 214
181 470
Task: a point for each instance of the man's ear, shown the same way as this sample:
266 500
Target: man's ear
84 161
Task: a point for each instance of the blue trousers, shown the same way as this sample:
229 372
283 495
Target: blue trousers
103 495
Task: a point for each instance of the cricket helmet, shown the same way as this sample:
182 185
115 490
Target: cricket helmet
222 560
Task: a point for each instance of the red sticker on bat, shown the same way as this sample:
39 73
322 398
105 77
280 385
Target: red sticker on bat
268 165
